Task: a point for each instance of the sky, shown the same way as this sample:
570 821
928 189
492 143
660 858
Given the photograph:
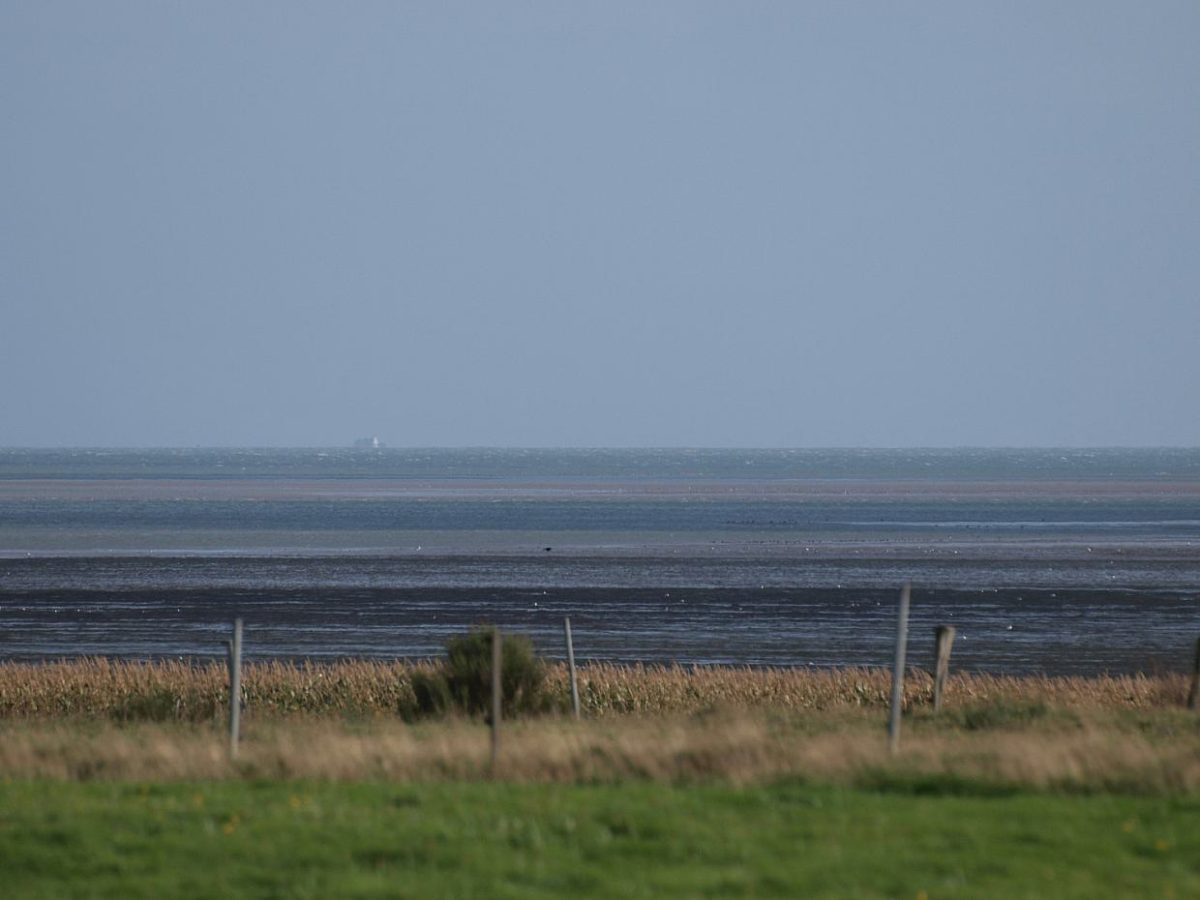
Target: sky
600 224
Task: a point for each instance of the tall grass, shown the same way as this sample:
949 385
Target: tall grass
198 692
742 747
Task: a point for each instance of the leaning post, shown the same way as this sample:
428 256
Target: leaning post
497 667
943 640
571 668
235 687
898 671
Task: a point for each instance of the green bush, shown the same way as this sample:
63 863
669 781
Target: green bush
432 694
463 683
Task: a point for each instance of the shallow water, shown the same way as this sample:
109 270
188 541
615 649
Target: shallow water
1056 561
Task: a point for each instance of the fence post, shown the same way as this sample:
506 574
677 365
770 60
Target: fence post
235 687
497 667
1194 694
898 671
571 668
944 638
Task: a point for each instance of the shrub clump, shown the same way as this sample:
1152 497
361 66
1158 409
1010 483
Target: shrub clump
463 681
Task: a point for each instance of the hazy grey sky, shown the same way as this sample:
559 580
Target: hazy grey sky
735 224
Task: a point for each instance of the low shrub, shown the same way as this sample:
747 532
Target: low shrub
463 681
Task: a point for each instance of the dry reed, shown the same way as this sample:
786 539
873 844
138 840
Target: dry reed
198 692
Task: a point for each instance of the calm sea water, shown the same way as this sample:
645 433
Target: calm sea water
1057 561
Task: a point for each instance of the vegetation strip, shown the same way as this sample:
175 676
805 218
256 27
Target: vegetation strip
244 839
183 691
1027 746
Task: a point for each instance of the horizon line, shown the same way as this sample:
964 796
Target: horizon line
600 447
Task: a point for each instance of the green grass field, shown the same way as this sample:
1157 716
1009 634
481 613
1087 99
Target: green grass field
931 838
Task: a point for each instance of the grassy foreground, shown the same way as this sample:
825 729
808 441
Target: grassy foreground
116 781
318 839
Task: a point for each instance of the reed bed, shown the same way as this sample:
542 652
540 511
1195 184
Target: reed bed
196 692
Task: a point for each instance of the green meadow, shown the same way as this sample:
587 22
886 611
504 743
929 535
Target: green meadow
916 838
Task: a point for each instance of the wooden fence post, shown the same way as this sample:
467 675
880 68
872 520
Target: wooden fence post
898 671
571 668
235 687
497 688
943 640
1194 694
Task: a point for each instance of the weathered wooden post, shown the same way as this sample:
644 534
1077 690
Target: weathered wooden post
235 687
898 671
571 668
943 639
1194 693
497 670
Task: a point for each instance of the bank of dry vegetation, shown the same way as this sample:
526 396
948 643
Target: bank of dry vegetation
189 692
100 719
1026 746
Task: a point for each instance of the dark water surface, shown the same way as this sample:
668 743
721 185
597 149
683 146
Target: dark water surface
1056 561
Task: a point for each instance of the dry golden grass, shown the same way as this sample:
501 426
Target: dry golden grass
733 747
674 689
162 691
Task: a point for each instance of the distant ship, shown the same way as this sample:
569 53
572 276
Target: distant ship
369 443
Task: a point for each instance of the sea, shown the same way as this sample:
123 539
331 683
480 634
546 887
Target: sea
1046 561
